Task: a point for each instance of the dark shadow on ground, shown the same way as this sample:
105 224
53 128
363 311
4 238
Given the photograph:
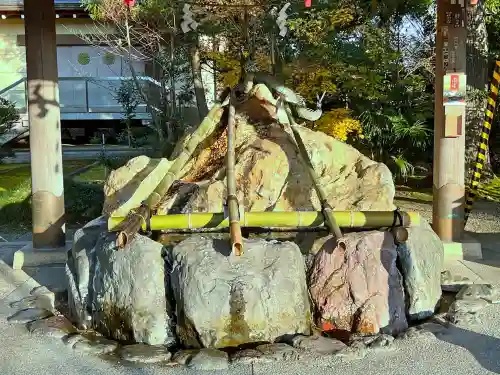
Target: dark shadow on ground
413 200
484 348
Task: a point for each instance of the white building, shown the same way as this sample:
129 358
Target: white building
87 74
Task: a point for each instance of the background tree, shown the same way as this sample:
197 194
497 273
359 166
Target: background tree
8 115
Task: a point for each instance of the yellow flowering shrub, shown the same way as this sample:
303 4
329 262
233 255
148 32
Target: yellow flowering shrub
339 124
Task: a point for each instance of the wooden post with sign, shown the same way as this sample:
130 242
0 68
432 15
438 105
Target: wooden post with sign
449 134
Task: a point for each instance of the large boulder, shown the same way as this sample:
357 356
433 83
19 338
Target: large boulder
421 260
79 271
356 287
119 292
224 300
129 185
271 177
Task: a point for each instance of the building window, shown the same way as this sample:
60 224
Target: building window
83 58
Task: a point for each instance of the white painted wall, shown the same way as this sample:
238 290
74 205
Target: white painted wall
72 93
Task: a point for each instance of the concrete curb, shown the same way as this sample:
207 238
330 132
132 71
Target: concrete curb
29 257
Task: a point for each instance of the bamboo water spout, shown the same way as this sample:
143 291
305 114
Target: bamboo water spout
325 206
232 200
291 219
134 221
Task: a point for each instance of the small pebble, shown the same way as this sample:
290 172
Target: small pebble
25 303
279 352
381 342
182 357
357 350
479 291
29 315
55 326
318 344
441 319
96 346
249 356
471 306
463 319
434 328
410 333
453 283
209 360
40 290
71 340
44 298
144 353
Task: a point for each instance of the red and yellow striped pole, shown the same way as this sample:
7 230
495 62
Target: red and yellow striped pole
483 142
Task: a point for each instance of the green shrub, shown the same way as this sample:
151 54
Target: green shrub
8 115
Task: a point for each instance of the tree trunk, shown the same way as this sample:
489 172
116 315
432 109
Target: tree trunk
199 90
477 82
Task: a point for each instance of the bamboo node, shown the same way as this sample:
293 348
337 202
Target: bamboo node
135 213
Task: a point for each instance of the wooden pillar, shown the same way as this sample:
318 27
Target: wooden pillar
45 125
449 134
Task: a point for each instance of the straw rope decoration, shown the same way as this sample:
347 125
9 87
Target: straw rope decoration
483 142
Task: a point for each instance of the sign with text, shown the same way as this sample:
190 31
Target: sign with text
454 88
453 27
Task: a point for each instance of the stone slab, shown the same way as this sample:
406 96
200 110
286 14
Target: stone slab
458 268
467 249
485 273
18 281
51 276
27 256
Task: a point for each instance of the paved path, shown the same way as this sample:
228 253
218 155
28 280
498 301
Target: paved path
475 350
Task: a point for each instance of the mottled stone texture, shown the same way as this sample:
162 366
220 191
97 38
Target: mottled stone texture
119 292
271 176
421 261
226 300
356 286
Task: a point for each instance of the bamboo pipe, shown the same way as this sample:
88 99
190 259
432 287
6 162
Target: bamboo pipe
232 200
292 219
133 223
325 206
129 227
206 128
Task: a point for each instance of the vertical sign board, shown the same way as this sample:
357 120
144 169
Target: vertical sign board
454 80
449 139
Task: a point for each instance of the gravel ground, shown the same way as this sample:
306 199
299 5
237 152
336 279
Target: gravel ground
484 218
460 351
474 349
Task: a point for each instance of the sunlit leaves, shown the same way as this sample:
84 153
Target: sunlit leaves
339 124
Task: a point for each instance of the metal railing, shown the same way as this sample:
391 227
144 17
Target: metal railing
80 94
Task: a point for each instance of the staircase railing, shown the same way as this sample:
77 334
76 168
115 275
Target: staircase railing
80 94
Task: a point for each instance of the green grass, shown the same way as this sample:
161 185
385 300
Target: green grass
12 175
491 191
83 195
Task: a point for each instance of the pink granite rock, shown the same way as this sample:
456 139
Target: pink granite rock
356 286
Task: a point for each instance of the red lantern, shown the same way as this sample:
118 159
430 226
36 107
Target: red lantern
129 3
307 3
